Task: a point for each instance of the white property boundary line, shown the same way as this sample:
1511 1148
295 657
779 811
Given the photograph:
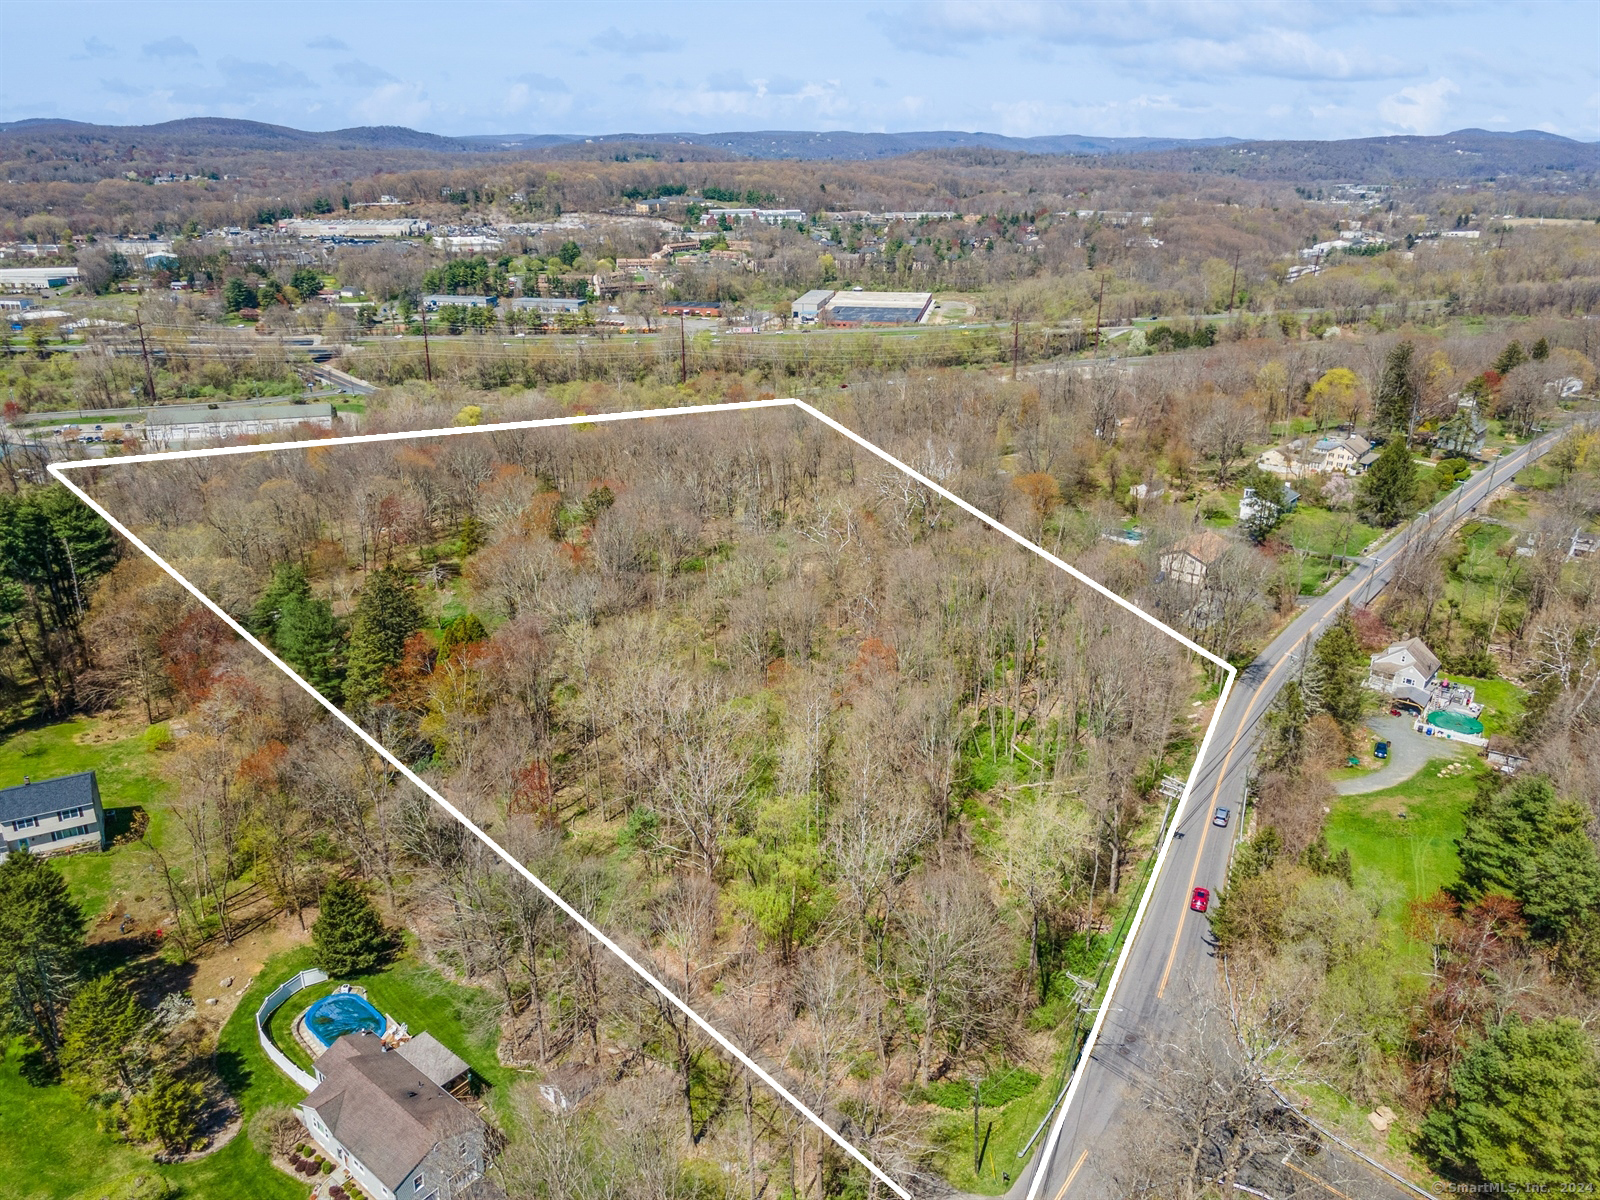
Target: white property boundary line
60 470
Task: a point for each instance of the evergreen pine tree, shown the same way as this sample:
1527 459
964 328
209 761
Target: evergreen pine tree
463 631
1541 350
102 1036
307 639
386 614
1510 358
1390 485
1524 1109
1286 730
41 933
288 582
1335 672
348 935
1397 394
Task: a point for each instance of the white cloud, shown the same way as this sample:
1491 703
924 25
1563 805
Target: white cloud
614 41
395 104
362 74
172 47
1420 108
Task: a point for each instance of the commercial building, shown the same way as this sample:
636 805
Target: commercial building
36 279
547 305
808 308
468 243
440 299
875 308
398 227
767 216
53 816
179 424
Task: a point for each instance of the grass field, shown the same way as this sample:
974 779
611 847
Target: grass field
1412 856
1007 1130
126 769
56 1150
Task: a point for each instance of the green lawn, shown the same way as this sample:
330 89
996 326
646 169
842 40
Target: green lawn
1412 856
1013 1125
1502 702
126 769
55 1150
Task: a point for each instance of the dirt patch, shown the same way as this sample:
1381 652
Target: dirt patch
239 964
114 726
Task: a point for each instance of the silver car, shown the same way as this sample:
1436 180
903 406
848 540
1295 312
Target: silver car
1221 819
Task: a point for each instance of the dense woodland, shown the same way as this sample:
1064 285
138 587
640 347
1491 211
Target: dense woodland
739 692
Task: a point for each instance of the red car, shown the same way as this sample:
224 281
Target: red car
1201 900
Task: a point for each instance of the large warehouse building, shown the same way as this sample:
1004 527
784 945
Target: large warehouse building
861 308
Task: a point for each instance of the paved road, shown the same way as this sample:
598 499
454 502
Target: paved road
1172 960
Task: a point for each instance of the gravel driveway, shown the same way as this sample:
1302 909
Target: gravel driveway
1409 752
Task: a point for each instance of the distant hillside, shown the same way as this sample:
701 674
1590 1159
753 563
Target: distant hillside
845 145
199 134
1466 154
41 149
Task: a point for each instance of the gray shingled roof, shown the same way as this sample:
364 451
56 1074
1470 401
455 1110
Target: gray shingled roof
382 1108
46 796
433 1058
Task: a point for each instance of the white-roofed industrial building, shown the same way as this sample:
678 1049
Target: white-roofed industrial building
36 279
863 308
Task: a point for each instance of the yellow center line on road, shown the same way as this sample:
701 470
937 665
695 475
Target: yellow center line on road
1216 792
1322 1183
1071 1175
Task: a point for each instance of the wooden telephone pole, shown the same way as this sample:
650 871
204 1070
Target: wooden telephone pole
1016 341
1099 307
683 351
149 376
427 355
1233 288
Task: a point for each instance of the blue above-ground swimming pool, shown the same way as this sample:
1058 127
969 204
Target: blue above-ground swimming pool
330 1018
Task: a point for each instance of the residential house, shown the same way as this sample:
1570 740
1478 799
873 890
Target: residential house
1405 671
53 816
1349 455
1252 506
1285 462
1191 560
398 1132
1462 434
435 1060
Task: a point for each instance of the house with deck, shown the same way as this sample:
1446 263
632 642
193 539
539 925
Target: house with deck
384 1116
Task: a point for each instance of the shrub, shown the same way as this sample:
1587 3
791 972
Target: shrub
326 1168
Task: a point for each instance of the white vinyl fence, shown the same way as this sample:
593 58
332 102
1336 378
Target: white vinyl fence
270 1005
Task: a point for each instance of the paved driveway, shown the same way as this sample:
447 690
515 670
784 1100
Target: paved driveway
1409 752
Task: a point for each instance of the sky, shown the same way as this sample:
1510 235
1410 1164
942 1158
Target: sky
1174 68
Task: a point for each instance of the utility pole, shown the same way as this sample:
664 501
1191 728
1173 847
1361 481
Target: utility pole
144 349
427 355
1099 307
1016 341
683 352
1233 288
